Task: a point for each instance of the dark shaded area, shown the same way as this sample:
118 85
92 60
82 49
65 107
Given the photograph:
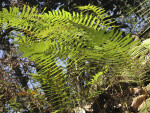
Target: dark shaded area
108 102
69 5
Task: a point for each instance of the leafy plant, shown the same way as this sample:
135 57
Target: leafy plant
65 46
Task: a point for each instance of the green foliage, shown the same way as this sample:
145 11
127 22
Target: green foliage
62 45
97 77
146 108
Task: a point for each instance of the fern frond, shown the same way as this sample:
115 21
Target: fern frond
101 15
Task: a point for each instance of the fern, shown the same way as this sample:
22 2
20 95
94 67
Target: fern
60 44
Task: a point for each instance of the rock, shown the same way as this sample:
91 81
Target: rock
137 101
79 110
